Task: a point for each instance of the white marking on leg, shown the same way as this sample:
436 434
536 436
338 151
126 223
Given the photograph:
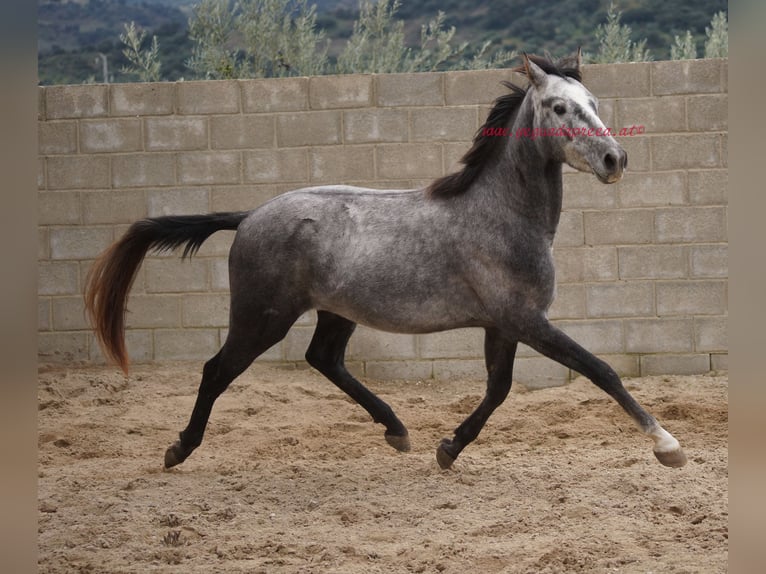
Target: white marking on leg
663 440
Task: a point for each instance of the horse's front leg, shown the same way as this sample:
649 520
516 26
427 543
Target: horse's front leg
499 353
539 334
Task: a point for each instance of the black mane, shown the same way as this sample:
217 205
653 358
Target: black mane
485 147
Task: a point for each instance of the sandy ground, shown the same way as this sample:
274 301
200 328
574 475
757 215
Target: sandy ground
294 478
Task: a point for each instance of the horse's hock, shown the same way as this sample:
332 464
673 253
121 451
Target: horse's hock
641 265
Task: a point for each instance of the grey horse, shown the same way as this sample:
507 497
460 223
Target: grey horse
472 249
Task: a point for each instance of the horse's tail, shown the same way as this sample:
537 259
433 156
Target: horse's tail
112 274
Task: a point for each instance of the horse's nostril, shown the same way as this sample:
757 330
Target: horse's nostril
610 162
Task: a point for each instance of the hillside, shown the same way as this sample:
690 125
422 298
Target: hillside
71 33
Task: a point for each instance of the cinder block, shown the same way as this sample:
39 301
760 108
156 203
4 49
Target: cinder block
58 208
375 125
44 319
171 275
112 135
685 151
218 245
212 167
309 128
648 189
539 373
466 87
208 97
618 80
637 148
185 344
691 297
623 299
709 186
623 365
242 132
153 311
123 206
569 302
675 364
402 161
41 180
443 124
368 344
724 138
710 260
219 271
178 201
577 264
62 348
58 278
453 154
340 164
710 334
143 170
43 244
205 310
79 242
69 314
708 113
88 101
668 335
719 361
598 337
466 369
618 227
686 76
584 191
456 344
244 197
57 137
296 343
607 113
653 262
176 133
656 115
414 89
273 166
399 370
275 94
142 99
344 91
570 232
139 344
77 172
690 225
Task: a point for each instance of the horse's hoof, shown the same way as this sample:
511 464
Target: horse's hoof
399 442
174 455
444 458
674 458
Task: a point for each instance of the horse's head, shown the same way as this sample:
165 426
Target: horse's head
566 119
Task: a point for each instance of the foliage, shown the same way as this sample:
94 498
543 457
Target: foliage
377 44
144 63
211 27
71 34
683 48
614 41
717 44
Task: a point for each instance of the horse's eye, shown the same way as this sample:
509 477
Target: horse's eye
560 109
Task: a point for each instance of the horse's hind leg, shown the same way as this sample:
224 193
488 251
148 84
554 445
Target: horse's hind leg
243 344
553 343
326 352
498 355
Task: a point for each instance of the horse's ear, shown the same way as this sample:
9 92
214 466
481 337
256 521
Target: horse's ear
578 58
535 73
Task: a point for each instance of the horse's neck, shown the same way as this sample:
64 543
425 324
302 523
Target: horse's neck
527 183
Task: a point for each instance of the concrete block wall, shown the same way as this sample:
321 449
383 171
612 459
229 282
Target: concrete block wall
642 274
